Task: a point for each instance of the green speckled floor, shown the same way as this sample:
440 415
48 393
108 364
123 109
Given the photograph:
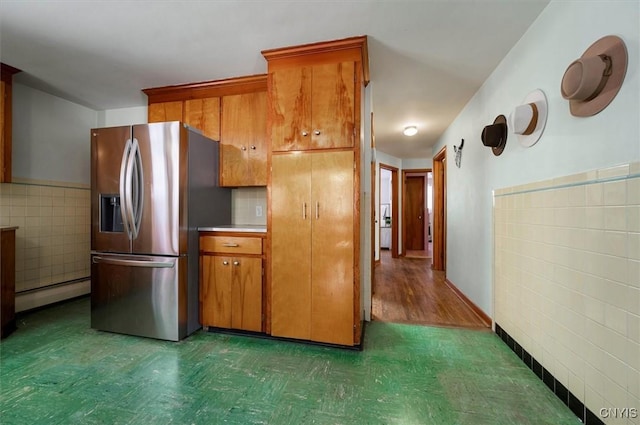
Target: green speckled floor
56 370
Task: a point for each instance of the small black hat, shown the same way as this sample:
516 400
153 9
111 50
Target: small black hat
495 135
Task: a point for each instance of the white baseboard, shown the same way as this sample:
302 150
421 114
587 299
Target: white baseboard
46 296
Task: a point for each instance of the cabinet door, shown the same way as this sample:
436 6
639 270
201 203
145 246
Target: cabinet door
333 105
165 111
204 114
332 272
291 246
246 294
5 141
290 109
243 140
216 291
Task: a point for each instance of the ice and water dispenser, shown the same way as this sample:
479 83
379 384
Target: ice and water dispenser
110 213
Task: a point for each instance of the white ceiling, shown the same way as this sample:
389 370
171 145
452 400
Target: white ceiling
427 57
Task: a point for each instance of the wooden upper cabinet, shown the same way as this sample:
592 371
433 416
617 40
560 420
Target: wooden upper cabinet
232 111
6 119
165 111
204 114
243 140
313 107
315 94
290 109
333 105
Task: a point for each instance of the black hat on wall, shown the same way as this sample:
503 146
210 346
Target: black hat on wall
495 135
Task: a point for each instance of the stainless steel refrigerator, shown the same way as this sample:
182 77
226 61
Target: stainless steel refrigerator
152 186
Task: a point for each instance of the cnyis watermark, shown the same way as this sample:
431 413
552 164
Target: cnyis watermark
619 412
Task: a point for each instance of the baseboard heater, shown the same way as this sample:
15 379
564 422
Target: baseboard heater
44 295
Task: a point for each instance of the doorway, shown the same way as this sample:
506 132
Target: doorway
388 222
440 210
417 205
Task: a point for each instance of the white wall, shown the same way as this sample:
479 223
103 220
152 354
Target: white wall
385 187
569 144
417 163
50 137
123 116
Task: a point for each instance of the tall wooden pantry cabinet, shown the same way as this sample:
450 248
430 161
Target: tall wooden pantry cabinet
314 128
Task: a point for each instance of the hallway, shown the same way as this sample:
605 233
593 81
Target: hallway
406 290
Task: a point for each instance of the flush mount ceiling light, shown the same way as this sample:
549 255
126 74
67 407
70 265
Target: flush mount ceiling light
411 130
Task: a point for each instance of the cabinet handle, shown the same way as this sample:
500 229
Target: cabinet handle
317 210
253 147
304 210
226 263
305 134
230 245
317 132
244 148
236 263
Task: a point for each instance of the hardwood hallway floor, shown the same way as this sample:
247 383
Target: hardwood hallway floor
406 290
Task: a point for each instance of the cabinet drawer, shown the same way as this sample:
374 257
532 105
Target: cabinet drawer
231 244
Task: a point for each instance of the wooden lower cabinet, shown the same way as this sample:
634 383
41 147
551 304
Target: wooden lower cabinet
7 280
231 281
312 250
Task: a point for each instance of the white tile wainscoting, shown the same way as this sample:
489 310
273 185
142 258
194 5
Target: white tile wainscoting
52 241
54 236
567 281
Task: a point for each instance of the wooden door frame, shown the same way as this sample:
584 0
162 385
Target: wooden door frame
394 207
405 174
374 173
439 235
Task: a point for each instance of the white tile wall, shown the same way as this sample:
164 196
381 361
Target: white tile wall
244 202
53 238
567 281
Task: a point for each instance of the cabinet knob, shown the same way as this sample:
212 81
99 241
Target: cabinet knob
236 263
253 147
305 134
244 148
317 132
226 263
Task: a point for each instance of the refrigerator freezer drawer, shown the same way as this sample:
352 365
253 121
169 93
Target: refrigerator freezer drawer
139 295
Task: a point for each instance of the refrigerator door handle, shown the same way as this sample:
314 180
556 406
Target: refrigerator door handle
136 182
124 187
134 263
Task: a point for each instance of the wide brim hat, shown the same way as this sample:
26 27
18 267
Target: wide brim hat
495 135
528 120
591 82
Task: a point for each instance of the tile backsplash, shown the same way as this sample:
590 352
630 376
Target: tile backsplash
53 238
247 204
567 281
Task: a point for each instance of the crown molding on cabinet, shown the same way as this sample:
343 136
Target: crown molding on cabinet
352 48
205 89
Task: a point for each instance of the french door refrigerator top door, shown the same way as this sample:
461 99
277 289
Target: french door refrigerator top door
138 203
108 148
163 226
